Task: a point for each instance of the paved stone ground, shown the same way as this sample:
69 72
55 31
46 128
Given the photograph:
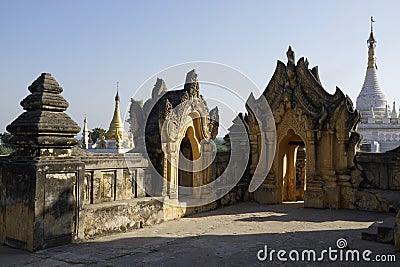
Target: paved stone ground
231 236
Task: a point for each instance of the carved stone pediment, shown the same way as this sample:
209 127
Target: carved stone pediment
166 115
295 86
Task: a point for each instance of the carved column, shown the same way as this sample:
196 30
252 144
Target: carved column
314 195
343 172
289 179
206 153
331 189
268 191
173 171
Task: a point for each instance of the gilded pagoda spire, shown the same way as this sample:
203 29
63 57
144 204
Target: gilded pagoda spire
116 125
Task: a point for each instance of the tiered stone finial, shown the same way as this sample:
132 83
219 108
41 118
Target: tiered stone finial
386 118
44 129
394 112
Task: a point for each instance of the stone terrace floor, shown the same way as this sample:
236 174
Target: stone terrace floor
230 236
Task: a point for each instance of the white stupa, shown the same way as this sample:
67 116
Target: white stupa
379 125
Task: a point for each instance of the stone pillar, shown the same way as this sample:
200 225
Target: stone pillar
119 183
343 172
314 194
206 172
140 178
44 182
173 171
97 177
331 189
289 179
268 192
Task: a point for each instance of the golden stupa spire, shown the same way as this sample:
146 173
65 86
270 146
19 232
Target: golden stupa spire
116 125
371 47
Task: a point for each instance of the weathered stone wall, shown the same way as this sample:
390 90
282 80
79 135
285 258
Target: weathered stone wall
109 178
115 196
124 215
220 163
382 170
380 186
120 216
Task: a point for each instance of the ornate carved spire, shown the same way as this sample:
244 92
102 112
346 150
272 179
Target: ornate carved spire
192 84
159 89
290 55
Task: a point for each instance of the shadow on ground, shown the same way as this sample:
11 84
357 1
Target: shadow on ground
230 236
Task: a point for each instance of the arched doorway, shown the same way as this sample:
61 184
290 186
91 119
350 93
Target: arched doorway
326 124
185 176
292 153
188 177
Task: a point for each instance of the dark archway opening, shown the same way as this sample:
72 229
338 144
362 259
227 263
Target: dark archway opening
185 176
293 168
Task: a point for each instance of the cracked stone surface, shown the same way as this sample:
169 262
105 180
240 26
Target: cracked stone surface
230 236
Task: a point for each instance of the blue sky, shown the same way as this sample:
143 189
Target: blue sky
90 45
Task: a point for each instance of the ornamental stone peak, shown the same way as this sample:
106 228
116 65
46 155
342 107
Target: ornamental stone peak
394 112
192 84
43 126
159 88
45 83
386 115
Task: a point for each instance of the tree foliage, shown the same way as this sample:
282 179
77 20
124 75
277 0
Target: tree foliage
97 133
220 144
6 146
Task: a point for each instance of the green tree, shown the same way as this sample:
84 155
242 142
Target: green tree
97 133
6 146
6 138
220 144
